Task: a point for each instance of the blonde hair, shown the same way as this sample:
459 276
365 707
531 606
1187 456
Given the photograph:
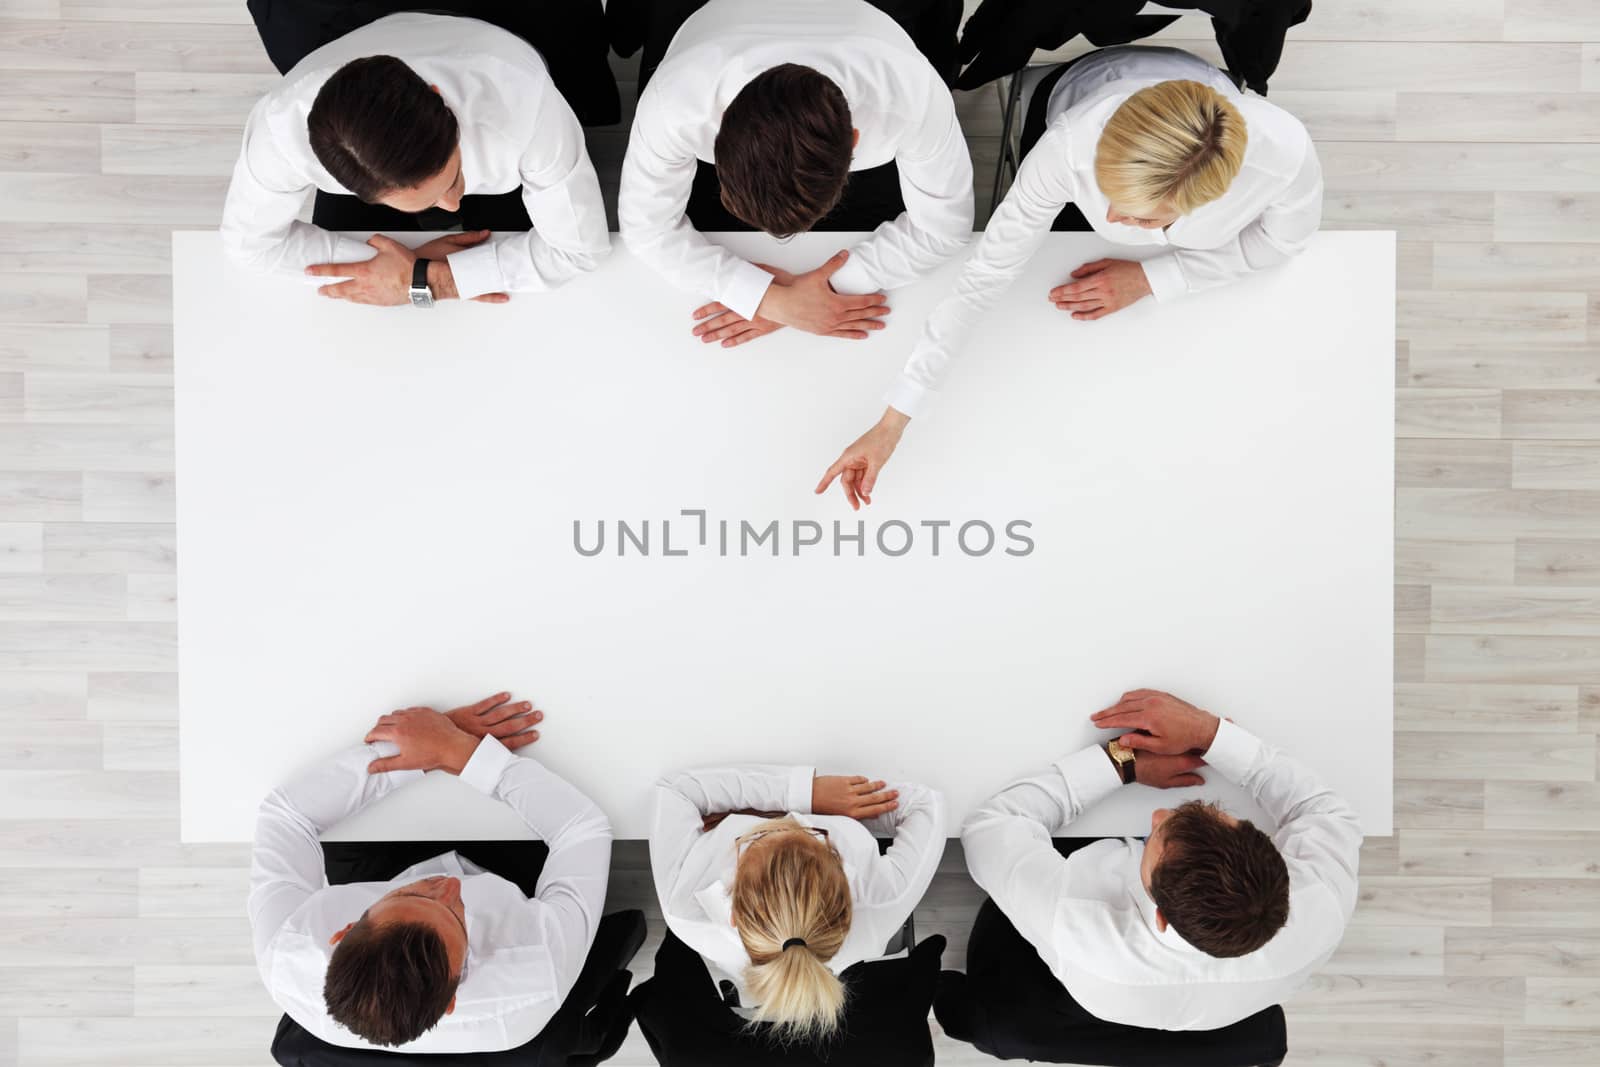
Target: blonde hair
794 887
1177 145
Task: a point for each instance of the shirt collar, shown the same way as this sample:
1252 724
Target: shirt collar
1147 907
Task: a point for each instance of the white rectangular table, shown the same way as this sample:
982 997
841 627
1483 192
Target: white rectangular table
376 508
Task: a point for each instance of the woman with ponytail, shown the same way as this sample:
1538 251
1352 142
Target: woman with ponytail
774 876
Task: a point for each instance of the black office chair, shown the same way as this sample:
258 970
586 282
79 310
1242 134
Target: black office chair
1016 1009
687 1024
586 1030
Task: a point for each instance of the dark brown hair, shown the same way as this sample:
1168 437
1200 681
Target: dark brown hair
377 126
1224 888
389 984
783 152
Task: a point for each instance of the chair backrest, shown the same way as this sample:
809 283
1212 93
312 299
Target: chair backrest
686 1023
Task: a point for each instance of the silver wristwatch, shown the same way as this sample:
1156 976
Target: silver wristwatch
421 295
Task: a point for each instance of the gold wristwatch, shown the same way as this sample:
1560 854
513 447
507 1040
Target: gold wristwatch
1122 756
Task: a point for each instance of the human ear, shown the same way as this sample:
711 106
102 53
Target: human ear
450 1007
1161 921
855 137
339 934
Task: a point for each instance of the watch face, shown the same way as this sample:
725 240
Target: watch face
421 298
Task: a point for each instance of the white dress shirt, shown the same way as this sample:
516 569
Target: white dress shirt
1094 924
694 870
1268 214
898 102
523 954
516 131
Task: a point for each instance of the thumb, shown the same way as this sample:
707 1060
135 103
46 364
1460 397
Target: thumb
385 765
1090 268
382 243
1140 741
830 268
1188 779
869 479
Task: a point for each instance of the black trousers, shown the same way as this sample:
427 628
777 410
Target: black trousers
502 212
1011 1006
591 1023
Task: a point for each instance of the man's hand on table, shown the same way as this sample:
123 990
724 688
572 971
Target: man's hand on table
1158 723
385 279
1104 286
1168 772
805 301
498 716
430 740
858 465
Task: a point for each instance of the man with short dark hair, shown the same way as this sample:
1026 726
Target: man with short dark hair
418 122
444 957
787 116
1207 921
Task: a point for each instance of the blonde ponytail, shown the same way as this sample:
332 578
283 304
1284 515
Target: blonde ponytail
792 907
1176 144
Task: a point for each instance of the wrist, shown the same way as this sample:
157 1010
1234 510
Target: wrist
1208 735
1122 760
458 751
441 280
894 421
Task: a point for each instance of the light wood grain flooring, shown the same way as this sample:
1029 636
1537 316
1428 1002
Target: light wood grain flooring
1470 126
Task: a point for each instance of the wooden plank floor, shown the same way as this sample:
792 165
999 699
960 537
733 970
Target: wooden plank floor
1470 126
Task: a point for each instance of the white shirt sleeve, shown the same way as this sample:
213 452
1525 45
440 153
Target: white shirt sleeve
1317 828
562 193
657 176
1015 232
1281 232
890 888
683 800
935 171
571 893
286 865
261 229
1007 841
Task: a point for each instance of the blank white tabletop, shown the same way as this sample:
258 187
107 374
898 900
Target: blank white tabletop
376 509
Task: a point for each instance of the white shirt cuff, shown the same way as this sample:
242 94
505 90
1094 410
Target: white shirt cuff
1165 276
476 270
489 761
1090 777
744 291
910 397
800 789
1233 751
852 278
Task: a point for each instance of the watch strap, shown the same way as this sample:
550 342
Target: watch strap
419 274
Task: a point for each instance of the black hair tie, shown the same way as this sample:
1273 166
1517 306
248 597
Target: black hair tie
794 941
